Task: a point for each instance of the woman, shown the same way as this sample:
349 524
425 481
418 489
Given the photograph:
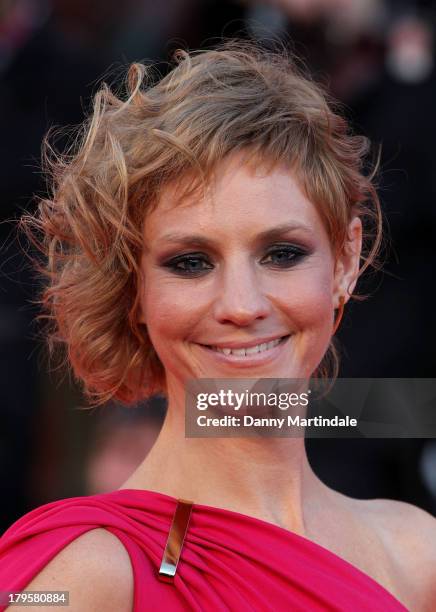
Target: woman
213 226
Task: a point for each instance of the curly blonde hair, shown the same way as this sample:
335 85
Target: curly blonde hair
235 97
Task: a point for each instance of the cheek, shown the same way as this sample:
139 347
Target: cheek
313 307
307 298
309 308
168 312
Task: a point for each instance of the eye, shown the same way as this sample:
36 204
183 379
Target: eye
284 256
193 264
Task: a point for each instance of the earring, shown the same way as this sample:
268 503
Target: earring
339 315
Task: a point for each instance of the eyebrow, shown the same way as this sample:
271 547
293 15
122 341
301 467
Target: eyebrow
201 241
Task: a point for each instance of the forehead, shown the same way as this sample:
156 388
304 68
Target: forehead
240 199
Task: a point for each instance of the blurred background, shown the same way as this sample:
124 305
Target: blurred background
378 58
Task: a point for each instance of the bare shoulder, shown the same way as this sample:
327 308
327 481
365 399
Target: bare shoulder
408 534
96 570
404 526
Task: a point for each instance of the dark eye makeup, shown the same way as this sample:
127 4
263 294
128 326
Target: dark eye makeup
284 255
191 264
279 256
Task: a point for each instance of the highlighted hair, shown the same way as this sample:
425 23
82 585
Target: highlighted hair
237 97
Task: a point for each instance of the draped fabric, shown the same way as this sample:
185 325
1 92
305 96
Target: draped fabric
229 561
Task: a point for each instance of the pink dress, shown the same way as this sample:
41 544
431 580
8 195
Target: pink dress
228 562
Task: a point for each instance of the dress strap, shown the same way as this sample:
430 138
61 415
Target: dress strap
176 537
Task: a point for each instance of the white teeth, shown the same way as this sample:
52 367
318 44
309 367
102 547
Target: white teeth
252 350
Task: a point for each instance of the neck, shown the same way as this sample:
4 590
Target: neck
267 477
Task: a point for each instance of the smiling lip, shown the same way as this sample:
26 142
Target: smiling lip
261 357
248 344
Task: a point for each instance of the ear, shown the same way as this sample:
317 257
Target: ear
348 262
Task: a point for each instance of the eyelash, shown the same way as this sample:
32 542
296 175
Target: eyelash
296 252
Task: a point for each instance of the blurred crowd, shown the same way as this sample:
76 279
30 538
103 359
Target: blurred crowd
377 57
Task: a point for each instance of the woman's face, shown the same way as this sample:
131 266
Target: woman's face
242 283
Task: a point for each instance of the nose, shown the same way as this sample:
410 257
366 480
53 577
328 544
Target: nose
240 298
